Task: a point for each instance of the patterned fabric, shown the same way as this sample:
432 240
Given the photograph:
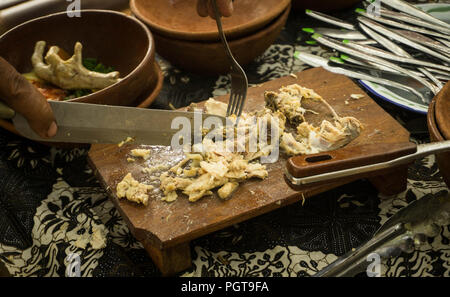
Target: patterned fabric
51 205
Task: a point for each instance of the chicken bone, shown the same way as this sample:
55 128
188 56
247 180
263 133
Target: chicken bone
68 74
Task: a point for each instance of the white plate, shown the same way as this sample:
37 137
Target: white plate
400 98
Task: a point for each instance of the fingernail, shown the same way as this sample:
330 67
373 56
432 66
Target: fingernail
52 129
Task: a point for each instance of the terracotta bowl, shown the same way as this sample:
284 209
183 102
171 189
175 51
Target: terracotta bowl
323 5
113 38
178 19
209 58
436 134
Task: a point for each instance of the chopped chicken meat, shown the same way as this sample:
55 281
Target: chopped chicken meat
289 101
309 139
141 153
227 189
128 140
212 165
133 190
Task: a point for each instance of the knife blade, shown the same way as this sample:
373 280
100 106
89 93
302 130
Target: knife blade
393 35
337 33
387 55
414 11
351 51
424 40
412 20
392 23
330 20
95 123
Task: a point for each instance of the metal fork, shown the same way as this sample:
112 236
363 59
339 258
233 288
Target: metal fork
239 83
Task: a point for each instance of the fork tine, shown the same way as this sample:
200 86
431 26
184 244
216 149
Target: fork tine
231 104
241 105
238 102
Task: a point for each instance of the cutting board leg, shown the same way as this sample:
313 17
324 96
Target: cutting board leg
171 260
391 182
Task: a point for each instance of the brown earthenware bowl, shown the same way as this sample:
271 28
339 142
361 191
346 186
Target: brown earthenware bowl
442 111
114 38
436 134
209 58
323 5
179 19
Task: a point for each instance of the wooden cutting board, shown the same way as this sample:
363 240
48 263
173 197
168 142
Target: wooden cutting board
166 229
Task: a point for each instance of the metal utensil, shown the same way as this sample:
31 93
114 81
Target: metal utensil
414 11
95 123
423 150
393 35
317 61
412 20
351 51
394 48
355 63
436 87
392 23
330 20
239 83
385 42
336 33
403 232
373 69
424 40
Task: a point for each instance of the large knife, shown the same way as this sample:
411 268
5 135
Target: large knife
95 123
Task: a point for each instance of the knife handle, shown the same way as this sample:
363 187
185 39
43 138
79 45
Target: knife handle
6 112
346 158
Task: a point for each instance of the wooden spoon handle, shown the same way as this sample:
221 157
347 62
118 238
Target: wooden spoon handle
347 157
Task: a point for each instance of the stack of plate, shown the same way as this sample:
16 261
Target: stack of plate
192 42
439 127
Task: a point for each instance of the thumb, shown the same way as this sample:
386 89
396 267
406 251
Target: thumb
25 99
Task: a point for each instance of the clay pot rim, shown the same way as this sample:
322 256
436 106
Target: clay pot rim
269 27
275 25
235 32
440 113
431 121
